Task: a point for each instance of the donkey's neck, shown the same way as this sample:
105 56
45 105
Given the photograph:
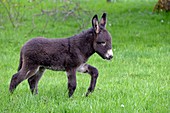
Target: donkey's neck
83 43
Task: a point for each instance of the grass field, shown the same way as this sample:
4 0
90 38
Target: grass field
137 80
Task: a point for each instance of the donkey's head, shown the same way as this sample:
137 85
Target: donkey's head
103 42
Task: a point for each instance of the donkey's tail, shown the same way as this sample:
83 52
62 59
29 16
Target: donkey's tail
20 61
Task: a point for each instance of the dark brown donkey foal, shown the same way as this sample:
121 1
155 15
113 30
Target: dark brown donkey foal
68 54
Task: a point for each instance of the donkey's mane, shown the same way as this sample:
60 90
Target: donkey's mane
83 34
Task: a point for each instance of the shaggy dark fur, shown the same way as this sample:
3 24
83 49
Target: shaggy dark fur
67 54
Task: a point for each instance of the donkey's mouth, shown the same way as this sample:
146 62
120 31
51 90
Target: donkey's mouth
109 58
106 56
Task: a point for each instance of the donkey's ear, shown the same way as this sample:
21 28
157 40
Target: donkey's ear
103 20
95 23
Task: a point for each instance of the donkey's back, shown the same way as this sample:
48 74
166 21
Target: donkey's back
47 53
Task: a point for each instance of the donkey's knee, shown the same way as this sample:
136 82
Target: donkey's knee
93 72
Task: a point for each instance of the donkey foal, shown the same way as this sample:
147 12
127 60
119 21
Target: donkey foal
65 54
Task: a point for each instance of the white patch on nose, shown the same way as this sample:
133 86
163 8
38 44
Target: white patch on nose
109 53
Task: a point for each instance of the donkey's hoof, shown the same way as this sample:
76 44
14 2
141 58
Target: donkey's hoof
87 94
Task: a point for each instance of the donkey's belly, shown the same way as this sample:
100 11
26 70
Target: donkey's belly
55 68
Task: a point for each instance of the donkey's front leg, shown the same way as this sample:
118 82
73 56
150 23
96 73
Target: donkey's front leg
71 74
85 68
94 75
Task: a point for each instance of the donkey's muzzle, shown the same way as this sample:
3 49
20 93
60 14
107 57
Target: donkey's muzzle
109 54
109 58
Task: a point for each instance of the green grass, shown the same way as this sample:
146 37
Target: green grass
136 80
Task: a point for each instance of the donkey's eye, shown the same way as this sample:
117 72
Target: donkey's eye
102 43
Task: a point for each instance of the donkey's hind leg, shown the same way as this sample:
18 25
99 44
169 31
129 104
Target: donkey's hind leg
24 73
33 80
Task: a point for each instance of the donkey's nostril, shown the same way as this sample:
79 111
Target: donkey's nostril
110 57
